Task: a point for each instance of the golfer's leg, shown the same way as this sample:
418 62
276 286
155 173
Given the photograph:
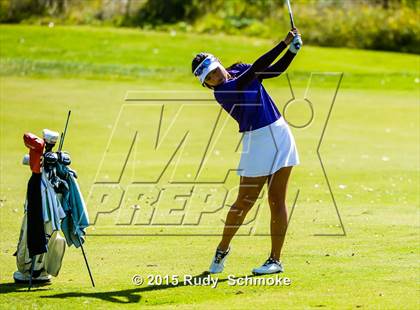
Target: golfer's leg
277 200
249 191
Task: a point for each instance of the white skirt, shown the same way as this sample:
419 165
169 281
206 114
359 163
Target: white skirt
265 150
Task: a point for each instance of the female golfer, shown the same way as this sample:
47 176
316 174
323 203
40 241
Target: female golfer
268 147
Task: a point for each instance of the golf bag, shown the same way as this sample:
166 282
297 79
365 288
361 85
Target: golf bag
40 249
53 203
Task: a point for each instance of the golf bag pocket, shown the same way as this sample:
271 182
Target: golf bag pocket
55 254
23 261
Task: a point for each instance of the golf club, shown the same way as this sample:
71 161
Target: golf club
50 137
292 22
63 134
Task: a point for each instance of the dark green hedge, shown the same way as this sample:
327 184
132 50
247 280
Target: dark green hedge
370 24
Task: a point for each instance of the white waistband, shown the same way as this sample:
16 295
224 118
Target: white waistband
280 121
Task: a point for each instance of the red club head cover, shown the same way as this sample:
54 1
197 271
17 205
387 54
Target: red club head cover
36 148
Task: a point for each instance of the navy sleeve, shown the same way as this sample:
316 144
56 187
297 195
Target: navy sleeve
260 65
279 67
241 67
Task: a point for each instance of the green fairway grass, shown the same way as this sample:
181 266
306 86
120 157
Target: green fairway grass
370 152
107 53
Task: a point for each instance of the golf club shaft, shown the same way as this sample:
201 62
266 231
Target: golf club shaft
292 22
63 135
289 7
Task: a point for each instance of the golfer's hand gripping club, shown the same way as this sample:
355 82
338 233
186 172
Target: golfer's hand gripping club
293 38
297 42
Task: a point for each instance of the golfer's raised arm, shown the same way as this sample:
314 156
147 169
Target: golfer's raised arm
260 65
278 67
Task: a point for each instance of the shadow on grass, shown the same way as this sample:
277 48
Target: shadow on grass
130 295
21 287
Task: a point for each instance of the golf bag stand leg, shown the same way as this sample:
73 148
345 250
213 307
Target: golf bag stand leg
32 272
86 261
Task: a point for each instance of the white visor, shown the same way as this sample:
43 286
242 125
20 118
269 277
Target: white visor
207 68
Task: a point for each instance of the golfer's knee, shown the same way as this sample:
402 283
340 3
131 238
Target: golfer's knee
245 202
276 203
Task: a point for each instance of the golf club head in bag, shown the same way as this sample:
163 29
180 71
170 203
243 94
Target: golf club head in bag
50 160
64 158
36 148
50 138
